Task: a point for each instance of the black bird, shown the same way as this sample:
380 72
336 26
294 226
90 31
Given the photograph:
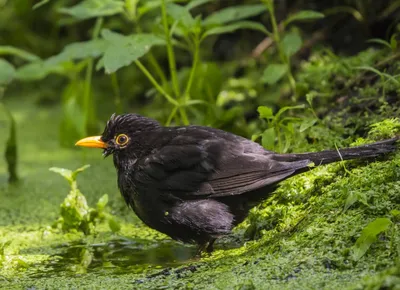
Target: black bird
196 183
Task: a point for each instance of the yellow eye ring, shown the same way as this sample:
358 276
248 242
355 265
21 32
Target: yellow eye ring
122 139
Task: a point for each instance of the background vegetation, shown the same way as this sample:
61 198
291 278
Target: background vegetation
292 75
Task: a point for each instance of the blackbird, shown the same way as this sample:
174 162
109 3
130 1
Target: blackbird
196 183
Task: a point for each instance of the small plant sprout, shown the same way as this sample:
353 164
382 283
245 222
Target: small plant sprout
76 215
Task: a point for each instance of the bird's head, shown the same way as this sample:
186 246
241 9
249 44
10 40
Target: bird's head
121 134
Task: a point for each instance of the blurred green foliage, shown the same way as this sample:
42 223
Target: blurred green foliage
188 62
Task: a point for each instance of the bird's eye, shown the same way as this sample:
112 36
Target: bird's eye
121 139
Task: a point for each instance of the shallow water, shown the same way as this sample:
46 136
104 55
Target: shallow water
117 256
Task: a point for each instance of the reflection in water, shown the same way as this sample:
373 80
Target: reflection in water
118 256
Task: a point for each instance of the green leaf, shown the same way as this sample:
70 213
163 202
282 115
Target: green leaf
379 41
369 236
39 70
114 225
265 112
235 26
304 15
73 121
69 174
10 50
32 71
234 13
284 109
393 42
291 43
66 173
273 73
123 50
7 72
196 3
395 212
94 8
307 123
310 97
353 197
381 74
79 170
101 204
181 14
40 4
268 139
79 50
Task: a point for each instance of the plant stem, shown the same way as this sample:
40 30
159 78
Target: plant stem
194 67
277 38
117 93
184 117
153 61
173 113
155 84
87 96
171 55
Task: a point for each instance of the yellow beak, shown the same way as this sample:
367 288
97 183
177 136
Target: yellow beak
93 142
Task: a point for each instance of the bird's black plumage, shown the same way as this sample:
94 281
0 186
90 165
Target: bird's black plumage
196 183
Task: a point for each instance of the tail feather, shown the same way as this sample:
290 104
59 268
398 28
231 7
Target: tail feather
328 156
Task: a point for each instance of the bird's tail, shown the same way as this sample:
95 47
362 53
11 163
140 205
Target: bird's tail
328 156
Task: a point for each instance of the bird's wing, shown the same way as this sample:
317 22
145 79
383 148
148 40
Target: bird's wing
190 167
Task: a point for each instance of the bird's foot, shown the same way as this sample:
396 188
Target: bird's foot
207 247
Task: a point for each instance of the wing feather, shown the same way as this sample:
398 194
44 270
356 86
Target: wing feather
211 166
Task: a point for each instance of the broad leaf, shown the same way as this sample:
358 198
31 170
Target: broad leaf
66 173
304 15
369 236
353 197
7 72
268 139
284 109
69 174
181 14
123 50
196 3
39 70
79 50
307 123
291 43
114 224
101 204
149 5
235 26
273 73
32 71
234 13
265 112
94 8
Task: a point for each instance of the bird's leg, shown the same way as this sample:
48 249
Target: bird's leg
210 246
205 247
201 249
